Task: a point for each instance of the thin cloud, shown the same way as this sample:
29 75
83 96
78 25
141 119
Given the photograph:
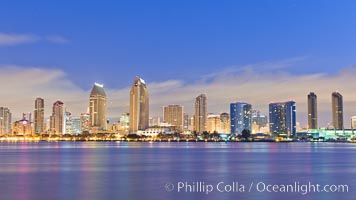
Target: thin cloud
57 39
15 39
12 39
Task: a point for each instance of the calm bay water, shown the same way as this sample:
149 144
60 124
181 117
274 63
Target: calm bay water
120 170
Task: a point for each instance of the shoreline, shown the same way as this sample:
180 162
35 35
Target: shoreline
15 140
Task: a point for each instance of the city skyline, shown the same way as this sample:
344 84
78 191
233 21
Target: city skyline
97 86
181 51
232 99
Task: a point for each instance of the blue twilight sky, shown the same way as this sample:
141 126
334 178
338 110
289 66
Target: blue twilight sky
180 44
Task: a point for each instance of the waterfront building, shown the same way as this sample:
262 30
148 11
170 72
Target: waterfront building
68 122
213 124
97 108
225 126
5 121
240 117
329 134
39 123
191 125
75 126
57 120
84 122
124 122
337 109
139 106
22 128
312 111
282 116
173 115
353 122
201 111
186 122
155 131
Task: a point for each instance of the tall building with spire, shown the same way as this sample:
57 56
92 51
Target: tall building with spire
312 111
201 113
57 120
139 106
337 109
39 124
97 108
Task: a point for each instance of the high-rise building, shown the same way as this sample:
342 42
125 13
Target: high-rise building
97 108
337 109
68 122
173 115
191 123
124 122
186 122
57 124
201 112
75 128
312 111
84 122
240 117
225 123
139 106
353 122
282 118
39 116
213 124
5 121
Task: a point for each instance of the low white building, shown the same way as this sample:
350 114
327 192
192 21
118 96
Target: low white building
155 131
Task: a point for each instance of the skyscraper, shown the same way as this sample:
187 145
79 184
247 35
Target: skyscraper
173 115
225 123
97 108
282 118
139 106
5 121
201 112
337 109
75 129
312 111
39 116
68 123
57 124
186 121
240 117
84 122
